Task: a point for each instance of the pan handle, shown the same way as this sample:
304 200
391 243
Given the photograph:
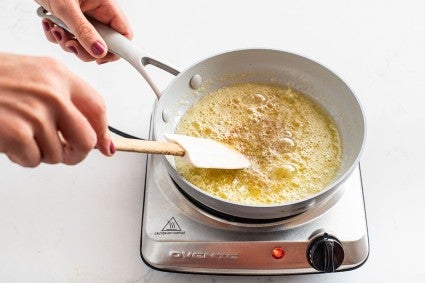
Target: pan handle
121 46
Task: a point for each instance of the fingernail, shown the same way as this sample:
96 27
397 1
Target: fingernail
46 26
73 50
112 148
97 48
57 35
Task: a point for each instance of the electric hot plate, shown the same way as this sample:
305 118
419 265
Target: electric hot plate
182 236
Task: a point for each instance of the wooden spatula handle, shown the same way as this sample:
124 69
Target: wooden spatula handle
154 147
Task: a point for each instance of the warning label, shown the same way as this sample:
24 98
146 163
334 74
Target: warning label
171 227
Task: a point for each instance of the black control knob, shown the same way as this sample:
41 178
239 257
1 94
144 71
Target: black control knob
325 253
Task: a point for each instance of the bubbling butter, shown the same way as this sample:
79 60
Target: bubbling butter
293 144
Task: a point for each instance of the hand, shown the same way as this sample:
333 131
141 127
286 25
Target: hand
87 44
47 114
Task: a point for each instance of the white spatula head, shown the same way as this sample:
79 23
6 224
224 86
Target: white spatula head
207 153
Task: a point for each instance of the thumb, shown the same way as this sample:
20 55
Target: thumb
85 33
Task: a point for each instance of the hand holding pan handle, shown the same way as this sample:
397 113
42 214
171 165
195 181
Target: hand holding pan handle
121 46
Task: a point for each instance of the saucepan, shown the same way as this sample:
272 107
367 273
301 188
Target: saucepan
240 66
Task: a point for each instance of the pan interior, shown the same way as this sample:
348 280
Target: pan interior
292 143
268 67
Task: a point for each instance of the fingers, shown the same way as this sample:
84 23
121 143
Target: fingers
108 58
30 137
72 45
40 101
84 31
114 17
38 104
66 40
91 105
47 26
84 125
17 142
50 146
79 137
88 45
25 154
68 43
30 134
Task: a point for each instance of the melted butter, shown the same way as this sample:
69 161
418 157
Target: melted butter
293 144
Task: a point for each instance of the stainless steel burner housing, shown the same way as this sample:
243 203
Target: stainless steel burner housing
179 236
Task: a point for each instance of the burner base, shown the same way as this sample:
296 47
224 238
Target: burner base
179 236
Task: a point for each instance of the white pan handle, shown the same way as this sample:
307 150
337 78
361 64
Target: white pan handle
121 46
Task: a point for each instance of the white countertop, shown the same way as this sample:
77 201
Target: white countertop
82 223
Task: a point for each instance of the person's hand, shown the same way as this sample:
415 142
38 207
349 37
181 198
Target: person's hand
87 44
47 114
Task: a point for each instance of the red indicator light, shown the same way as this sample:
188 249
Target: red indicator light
278 253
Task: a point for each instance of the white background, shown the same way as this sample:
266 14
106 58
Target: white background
82 223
